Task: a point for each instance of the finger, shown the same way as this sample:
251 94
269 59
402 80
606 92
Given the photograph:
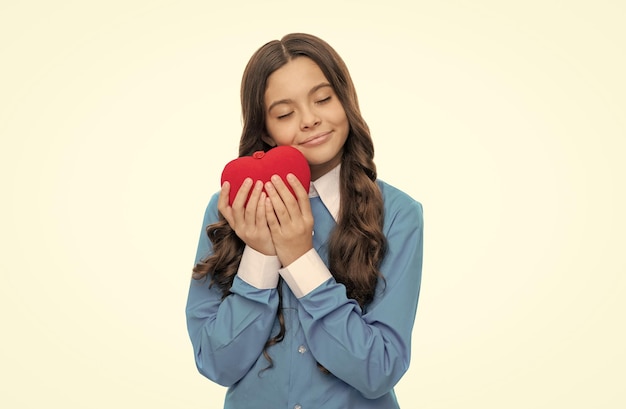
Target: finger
281 188
223 205
240 200
285 194
277 203
222 200
253 201
301 194
261 218
270 216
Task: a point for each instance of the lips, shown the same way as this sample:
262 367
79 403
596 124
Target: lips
316 139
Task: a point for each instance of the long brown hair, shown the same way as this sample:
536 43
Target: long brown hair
357 244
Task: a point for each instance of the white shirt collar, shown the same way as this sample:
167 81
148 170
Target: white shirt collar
327 188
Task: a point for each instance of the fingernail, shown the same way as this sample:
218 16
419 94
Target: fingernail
275 178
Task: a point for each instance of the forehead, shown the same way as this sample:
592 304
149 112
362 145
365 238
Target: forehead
298 76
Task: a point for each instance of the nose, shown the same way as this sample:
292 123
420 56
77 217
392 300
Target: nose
309 119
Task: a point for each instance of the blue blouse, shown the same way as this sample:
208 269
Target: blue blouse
366 351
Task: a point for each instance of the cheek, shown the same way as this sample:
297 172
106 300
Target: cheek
341 120
280 133
338 115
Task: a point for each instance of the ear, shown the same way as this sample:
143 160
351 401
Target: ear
268 139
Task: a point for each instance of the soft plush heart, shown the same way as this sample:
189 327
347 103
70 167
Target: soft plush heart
280 161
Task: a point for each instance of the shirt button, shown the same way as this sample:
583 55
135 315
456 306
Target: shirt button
297 407
302 350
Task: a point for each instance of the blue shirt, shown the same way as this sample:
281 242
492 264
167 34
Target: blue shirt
367 352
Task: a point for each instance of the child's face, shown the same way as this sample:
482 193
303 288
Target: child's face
302 110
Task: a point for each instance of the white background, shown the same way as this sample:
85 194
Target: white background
508 122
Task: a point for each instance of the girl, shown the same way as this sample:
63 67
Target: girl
308 300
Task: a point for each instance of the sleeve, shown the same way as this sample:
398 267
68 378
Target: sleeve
258 270
227 335
305 274
371 351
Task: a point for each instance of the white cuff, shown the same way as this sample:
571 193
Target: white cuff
305 274
258 270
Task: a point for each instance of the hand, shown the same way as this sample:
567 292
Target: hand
289 218
249 222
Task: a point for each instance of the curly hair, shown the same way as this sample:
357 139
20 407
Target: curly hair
357 244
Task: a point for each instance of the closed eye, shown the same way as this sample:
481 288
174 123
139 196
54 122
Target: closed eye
323 101
285 115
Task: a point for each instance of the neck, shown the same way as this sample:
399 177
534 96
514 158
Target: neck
317 171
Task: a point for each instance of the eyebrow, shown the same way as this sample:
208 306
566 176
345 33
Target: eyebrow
289 101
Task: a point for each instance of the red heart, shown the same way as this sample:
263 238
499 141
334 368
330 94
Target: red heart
280 161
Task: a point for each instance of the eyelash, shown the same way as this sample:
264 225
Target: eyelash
321 101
